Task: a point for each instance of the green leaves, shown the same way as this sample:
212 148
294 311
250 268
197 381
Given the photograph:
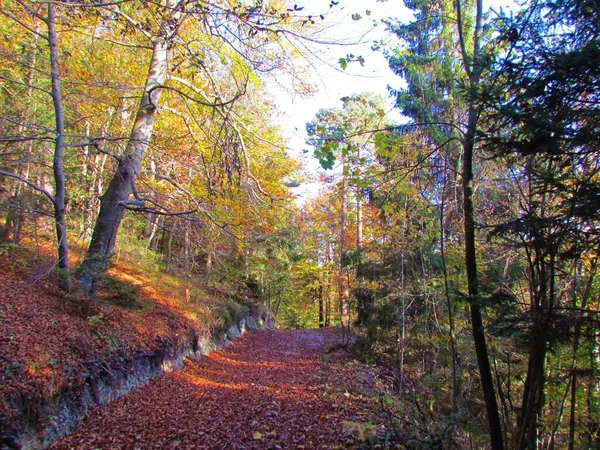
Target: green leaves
348 131
349 58
326 157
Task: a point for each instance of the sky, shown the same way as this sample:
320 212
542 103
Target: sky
330 81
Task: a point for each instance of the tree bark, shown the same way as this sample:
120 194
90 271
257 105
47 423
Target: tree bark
359 210
84 196
187 251
576 338
344 207
327 297
359 218
169 248
483 361
208 267
533 395
343 244
113 202
59 144
321 307
15 217
451 331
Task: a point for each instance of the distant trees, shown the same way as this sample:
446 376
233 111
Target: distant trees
532 106
234 43
487 201
348 134
443 63
37 24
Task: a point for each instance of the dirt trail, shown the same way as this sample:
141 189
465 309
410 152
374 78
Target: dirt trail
269 390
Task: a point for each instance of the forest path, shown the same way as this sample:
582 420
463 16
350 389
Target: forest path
269 390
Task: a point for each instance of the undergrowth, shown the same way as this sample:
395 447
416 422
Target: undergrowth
123 294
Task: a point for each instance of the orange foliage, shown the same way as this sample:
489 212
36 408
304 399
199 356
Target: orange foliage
48 341
270 389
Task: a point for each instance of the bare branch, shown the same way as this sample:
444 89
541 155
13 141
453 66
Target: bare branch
204 100
20 22
22 207
461 38
114 41
27 85
133 22
84 5
30 184
200 208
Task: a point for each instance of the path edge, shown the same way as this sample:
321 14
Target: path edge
63 412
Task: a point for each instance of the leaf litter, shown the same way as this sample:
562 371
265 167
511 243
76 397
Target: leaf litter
50 343
269 390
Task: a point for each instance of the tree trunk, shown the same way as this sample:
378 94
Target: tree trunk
95 189
359 209
208 267
187 252
114 200
359 218
577 336
148 225
527 422
573 409
169 249
321 307
483 361
474 68
343 294
344 206
451 331
15 216
59 145
401 337
83 181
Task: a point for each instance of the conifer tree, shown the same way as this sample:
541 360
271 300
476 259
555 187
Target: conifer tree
442 58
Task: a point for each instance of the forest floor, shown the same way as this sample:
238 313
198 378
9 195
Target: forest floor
269 390
51 342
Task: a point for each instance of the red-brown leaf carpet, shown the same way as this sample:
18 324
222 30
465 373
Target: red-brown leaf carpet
269 390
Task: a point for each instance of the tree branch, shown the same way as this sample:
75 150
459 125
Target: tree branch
30 184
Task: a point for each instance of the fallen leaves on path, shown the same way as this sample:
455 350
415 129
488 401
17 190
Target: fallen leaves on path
269 390
50 342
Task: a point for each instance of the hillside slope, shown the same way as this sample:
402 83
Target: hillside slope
55 349
270 390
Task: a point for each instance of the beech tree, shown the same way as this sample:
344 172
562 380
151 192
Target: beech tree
31 19
178 147
199 40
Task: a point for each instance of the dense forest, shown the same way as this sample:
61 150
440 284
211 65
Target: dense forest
461 247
